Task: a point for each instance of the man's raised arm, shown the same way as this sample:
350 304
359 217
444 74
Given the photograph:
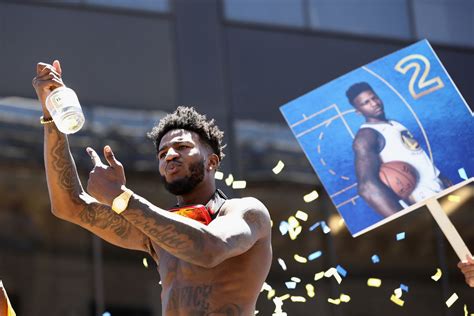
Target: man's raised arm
68 199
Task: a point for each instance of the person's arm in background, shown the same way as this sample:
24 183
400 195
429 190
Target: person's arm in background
367 165
467 268
69 201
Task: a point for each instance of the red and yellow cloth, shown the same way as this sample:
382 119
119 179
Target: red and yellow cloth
197 212
5 306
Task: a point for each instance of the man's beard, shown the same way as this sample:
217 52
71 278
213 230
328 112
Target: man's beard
187 183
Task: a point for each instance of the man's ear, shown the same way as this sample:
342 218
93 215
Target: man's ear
212 162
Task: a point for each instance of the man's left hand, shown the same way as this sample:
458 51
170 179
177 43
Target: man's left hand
467 268
105 182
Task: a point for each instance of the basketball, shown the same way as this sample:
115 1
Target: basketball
399 176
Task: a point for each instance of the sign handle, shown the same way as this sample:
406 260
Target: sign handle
448 229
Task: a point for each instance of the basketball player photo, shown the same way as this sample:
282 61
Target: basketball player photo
386 137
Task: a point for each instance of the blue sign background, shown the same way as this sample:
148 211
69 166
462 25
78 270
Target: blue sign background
324 123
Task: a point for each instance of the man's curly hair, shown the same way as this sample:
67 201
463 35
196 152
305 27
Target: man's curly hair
189 119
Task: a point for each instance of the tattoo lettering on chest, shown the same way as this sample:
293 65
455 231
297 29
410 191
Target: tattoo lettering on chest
192 297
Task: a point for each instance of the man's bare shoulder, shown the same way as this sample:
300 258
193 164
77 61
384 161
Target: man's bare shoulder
365 138
250 209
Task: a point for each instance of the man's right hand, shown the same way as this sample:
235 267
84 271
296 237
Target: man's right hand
48 78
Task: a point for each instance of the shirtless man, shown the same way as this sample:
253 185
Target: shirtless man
214 269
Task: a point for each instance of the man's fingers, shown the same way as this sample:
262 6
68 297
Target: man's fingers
57 66
95 158
470 259
110 157
40 67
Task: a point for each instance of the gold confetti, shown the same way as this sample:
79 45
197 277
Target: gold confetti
293 222
279 167
345 298
229 179
219 175
310 197
454 198
300 259
145 262
373 282
298 299
239 184
302 216
271 294
438 275
294 232
336 301
396 300
284 297
318 276
310 290
452 300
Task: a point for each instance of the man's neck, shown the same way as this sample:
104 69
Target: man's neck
376 120
201 194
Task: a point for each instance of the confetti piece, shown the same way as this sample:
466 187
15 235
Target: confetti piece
229 179
145 262
336 301
398 292
452 300
302 216
462 173
239 184
106 314
298 299
375 259
310 290
310 197
397 300
284 297
454 198
293 222
318 276
219 175
284 226
404 287
282 264
314 226
373 282
400 236
438 275
333 272
300 259
271 294
290 285
256 312
314 255
265 287
341 271
294 232
279 167
295 279
325 227
345 298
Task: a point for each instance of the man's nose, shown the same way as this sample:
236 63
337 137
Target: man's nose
171 154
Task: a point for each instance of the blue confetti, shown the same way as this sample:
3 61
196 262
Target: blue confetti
106 314
284 227
375 259
325 227
290 285
315 255
314 226
341 271
462 173
404 287
400 236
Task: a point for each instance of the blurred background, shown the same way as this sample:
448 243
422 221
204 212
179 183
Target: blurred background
238 61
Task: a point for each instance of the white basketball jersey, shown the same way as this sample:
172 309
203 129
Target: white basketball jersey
401 146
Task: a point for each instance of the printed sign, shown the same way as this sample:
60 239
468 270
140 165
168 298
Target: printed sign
386 137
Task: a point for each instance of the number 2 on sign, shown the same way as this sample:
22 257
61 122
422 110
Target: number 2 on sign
420 63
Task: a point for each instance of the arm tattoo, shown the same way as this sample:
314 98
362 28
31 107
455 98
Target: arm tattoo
101 216
181 239
95 215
